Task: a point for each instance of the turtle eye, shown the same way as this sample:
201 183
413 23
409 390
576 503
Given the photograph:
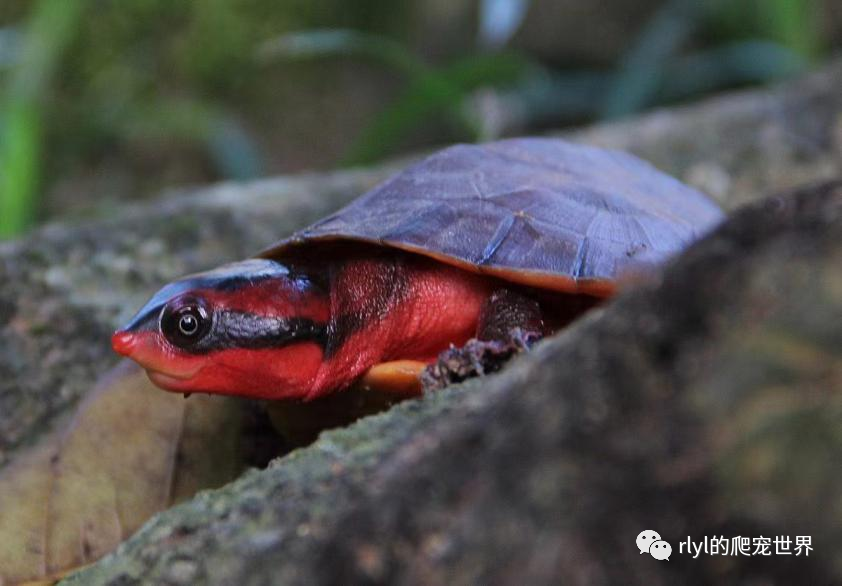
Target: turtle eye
185 321
188 325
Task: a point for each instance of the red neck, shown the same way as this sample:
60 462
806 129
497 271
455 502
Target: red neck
395 306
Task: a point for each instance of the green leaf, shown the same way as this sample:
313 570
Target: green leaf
68 500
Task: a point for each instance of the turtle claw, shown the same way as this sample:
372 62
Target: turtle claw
475 358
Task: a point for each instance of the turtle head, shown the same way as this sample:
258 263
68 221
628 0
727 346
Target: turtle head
253 328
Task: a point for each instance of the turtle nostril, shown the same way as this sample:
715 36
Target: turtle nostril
123 342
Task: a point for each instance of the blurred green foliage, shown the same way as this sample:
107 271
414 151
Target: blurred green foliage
93 75
755 41
795 24
53 24
430 90
85 80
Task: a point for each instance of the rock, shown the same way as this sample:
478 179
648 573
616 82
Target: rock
64 288
703 405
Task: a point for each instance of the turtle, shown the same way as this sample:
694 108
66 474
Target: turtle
476 250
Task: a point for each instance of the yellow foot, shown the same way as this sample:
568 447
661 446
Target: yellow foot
401 378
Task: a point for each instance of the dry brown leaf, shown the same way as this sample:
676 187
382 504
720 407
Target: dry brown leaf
24 490
130 451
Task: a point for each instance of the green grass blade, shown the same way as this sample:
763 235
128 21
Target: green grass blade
52 25
19 166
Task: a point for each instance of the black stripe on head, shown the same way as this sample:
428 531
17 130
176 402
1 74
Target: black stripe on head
234 329
228 277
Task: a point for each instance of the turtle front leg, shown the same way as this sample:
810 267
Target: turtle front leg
509 323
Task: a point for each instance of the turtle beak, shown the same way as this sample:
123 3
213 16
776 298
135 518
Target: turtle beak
165 370
123 342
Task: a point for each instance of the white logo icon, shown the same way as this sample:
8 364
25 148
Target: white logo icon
660 550
647 538
649 541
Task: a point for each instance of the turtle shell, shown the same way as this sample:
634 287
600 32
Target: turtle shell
536 211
